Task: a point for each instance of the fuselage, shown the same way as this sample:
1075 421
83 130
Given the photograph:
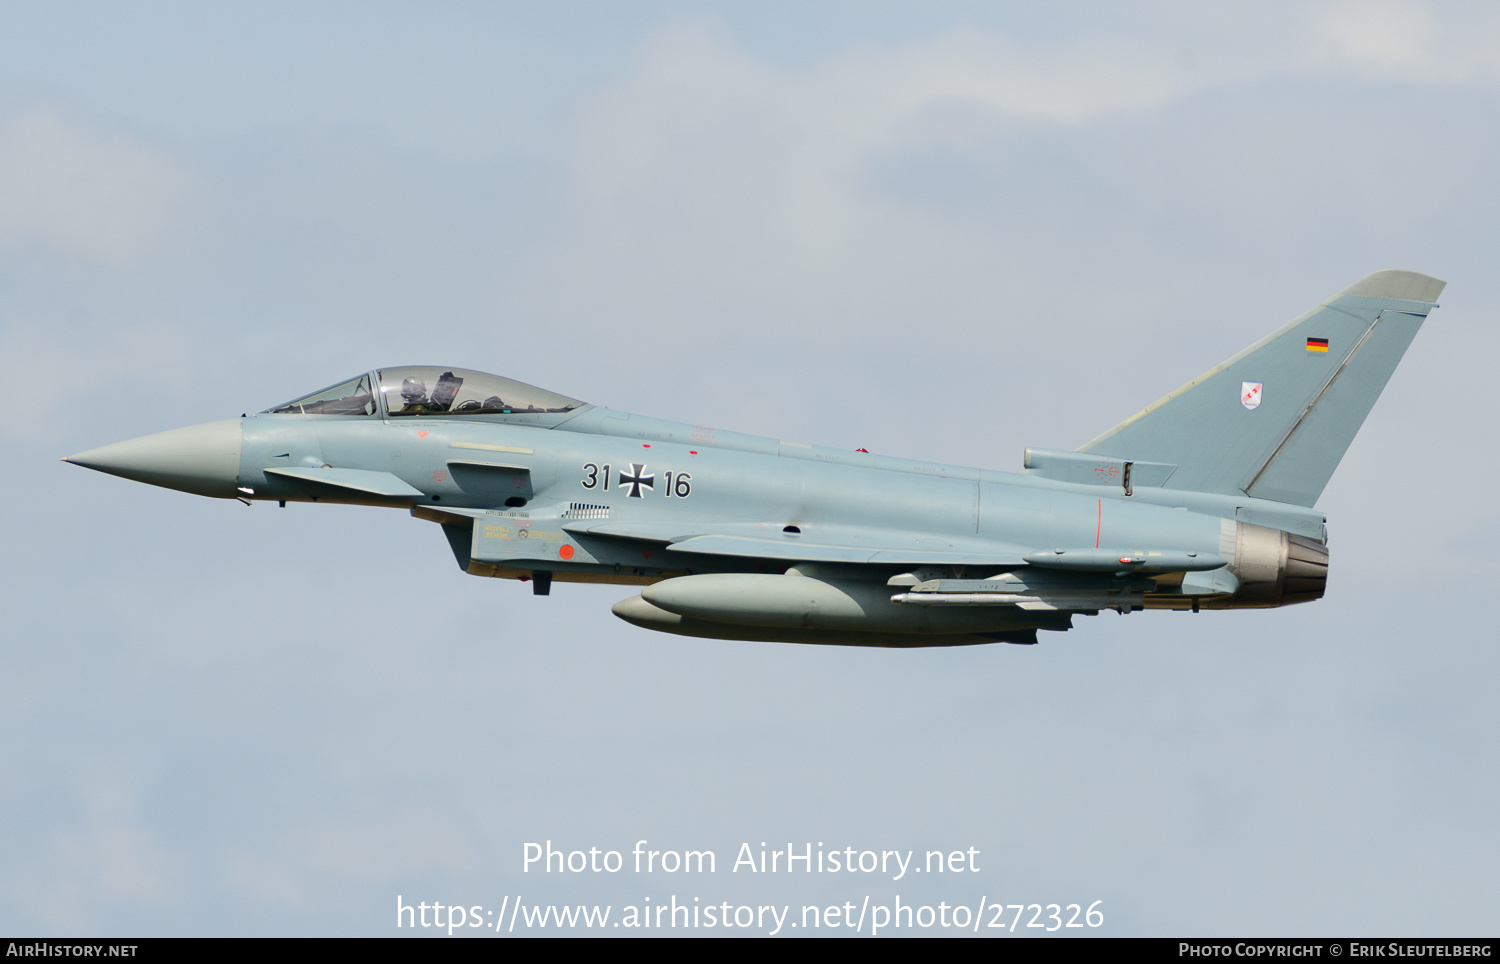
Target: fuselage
648 470
577 492
1202 500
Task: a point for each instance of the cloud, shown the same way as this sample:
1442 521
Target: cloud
1409 40
101 199
737 138
721 204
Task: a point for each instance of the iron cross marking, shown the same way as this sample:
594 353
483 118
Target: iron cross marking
636 479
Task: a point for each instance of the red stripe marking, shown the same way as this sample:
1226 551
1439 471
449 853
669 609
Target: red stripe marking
1099 526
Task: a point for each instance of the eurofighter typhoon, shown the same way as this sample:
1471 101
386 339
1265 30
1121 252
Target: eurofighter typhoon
1203 500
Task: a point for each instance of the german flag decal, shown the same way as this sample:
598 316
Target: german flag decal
1317 344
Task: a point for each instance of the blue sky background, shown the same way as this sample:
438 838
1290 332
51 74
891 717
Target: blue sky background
944 231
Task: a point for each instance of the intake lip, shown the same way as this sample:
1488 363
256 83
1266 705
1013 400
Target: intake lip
202 459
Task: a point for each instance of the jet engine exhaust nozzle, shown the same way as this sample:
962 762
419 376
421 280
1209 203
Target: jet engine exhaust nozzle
1276 568
1306 570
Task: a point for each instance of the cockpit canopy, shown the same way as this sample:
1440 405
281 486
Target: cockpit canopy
429 390
346 398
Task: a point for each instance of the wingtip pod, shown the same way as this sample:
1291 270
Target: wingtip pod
1395 284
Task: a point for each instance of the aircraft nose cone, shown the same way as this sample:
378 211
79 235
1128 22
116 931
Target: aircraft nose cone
202 459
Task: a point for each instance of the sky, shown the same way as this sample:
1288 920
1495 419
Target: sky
944 231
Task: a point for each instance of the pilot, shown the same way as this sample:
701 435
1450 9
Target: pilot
414 395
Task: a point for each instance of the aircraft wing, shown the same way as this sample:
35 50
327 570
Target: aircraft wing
499 539
813 552
809 544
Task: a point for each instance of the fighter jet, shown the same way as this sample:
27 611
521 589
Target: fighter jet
1203 500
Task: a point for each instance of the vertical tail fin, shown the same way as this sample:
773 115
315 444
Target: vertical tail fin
1274 421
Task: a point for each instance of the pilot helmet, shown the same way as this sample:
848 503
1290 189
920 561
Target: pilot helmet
414 390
